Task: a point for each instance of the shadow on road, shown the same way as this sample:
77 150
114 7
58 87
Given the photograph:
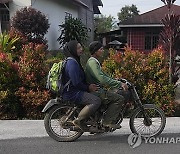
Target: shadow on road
112 138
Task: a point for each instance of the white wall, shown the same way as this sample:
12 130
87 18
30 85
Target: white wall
18 4
55 12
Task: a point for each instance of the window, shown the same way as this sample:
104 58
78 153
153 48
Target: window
4 17
151 40
68 15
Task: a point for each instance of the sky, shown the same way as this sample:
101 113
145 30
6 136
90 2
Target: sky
112 7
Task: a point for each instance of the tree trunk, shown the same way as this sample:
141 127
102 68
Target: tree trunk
170 61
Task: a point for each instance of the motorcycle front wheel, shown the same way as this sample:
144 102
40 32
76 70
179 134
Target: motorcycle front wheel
53 123
157 121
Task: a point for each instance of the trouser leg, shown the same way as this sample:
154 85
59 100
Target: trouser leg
115 102
126 94
92 103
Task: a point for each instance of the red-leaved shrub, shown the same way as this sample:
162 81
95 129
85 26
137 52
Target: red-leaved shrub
33 72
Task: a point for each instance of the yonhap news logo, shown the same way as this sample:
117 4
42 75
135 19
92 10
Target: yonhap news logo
135 140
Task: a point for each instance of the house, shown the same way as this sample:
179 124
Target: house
56 11
143 31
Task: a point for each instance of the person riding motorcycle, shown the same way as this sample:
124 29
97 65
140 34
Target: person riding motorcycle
78 90
95 75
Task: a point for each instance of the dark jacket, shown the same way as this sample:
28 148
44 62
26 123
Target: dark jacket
77 85
75 73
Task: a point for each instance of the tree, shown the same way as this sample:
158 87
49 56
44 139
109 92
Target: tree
127 12
104 23
170 36
32 23
72 29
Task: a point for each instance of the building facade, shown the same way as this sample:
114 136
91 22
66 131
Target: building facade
143 31
56 11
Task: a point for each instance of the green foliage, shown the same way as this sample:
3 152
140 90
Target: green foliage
13 33
32 23
72 29
7 43
103 23
127 12
53 58
148 72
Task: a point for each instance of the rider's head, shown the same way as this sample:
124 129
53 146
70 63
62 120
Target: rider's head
96 48
73 49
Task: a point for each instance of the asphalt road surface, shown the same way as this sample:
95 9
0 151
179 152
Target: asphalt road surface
30 137
92 144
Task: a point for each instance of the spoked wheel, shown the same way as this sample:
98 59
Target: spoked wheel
154 124
56 127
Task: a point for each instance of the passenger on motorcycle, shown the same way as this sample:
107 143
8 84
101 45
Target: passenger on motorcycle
78 90
95 75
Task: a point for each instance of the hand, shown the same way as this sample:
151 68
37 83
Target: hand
93 87
124 86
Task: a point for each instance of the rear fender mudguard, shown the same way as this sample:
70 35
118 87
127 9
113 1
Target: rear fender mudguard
50 104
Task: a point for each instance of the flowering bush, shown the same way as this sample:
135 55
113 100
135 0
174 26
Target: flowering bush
18 45
22 74
32 72
31 65
33 101
149 72
9 83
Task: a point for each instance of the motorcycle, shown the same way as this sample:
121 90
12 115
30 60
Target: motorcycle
146 119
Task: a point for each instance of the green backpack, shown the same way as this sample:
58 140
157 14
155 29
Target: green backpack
54 81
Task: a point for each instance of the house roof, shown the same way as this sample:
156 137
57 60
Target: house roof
114 32
151 18
96 10
5 1
80 3
97 3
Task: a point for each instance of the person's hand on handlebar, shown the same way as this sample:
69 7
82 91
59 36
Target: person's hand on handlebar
93 87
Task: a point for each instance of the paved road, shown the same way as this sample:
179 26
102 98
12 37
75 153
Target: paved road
108 144
12 129
29 137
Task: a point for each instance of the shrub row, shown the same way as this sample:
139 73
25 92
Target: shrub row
149 72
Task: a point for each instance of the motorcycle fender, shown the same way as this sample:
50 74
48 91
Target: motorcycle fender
50 104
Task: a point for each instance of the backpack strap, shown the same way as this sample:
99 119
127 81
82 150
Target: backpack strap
67 84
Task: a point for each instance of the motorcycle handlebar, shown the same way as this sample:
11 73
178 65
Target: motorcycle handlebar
126 82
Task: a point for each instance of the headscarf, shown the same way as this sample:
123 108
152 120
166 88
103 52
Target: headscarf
70 50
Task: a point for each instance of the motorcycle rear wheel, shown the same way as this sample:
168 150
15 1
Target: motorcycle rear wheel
53 123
